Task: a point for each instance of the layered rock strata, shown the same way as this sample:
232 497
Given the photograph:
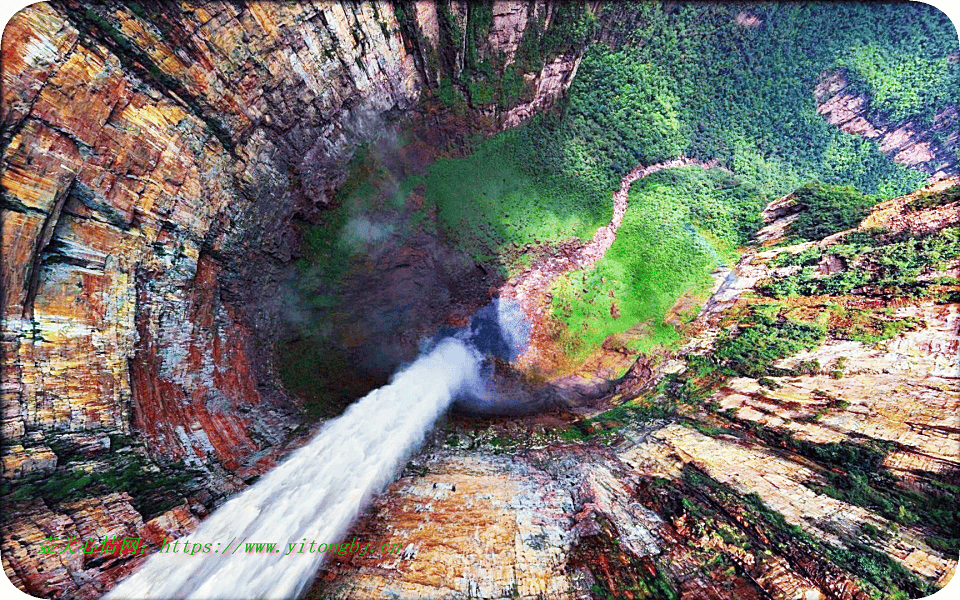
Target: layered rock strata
152 166
156 163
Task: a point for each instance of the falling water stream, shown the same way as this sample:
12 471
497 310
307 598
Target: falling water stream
313 495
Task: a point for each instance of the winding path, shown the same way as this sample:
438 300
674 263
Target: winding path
531 286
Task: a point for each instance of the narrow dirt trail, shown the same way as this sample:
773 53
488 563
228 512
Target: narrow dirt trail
529 289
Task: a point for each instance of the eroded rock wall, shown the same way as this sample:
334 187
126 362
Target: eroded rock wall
153 162
157 159
931 148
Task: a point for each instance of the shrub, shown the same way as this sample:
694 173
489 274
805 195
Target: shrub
754 349
828 209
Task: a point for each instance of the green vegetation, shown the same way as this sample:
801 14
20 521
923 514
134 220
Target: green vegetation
670 80
332 249
485 77
491 208
879 329
888 266
315 373
924 200
488 205
448 94
646 583
901 84
828 209
629 413
659 255
881 576
753 350
884 578
666 91
153 490
764 336
855 473
627 110
767 130
498 200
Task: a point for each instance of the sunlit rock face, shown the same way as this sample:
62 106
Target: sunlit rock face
927 147
155 165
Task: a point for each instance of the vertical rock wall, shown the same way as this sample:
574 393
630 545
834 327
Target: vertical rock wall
157 159
154 158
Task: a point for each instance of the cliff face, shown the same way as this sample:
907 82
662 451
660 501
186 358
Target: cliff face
155 166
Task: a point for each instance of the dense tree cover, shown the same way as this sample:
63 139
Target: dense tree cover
735 82
897 52
633 117
901 86
828 209
689 79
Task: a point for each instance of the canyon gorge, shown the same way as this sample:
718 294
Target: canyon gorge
734 362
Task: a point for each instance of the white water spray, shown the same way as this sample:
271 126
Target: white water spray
314 494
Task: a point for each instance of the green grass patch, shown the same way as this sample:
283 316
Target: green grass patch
654 260
499 199
764 334
768 338
661 252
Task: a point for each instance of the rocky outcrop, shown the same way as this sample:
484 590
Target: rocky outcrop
88 523
510 519
930 148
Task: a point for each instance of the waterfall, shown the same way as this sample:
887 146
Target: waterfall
314 494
